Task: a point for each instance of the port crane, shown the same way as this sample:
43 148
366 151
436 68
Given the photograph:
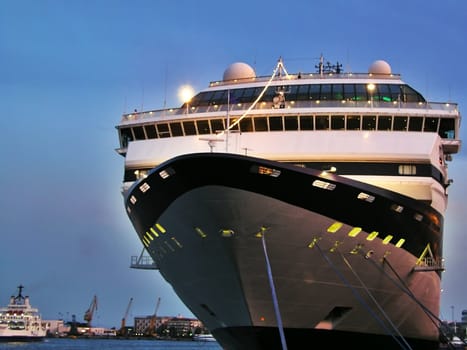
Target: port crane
88 315
123 330
151 330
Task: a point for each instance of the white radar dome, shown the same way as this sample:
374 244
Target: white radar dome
380 67
239 70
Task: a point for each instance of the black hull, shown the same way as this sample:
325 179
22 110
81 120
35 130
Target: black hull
255 338
183 213
19 339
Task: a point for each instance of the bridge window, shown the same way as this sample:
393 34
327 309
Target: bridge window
353 122
306 122
151 131
431 124
246 125
337 122
415 124
384 123
322 122
291 122
189 127
261 123
369 122
176 129
203 127
163 130
139 133
447 128
400 123
275 124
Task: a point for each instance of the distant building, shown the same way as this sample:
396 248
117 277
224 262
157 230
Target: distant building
168 326
143 324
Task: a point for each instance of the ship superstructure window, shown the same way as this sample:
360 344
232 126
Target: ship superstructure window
407 169
369 122
400 123
275 123
246 125
384 122
151 131
415 124
203 127
176 129
291 122
163 130
322 122
139 133
353 122
189 127
445 127
217 125
431 124
126 136
307 122
337 122
326 92
261 124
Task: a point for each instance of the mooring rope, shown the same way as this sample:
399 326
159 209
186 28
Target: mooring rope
359 297
375 301
273 293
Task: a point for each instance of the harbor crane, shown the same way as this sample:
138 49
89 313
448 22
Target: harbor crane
123 330
88 315
151 330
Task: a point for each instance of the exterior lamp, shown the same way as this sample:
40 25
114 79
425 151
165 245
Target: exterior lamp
185 93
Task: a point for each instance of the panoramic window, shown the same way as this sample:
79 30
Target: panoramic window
400 124
261 124
139 133
353 122
306 122
291 122
163 130
369 122
431 124
203 127
337 122
322 122
151 131
415 124
176 129
246 125
189 127
446 128
384 122
275 124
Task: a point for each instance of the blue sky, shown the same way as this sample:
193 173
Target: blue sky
69 69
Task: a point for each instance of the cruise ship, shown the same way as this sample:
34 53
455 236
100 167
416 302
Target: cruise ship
298 209
19 321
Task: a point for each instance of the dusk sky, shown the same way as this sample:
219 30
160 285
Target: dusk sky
70 68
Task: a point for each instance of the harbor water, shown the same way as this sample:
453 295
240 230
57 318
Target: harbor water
110 344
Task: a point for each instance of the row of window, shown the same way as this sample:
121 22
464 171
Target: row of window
341 168
315 92
445 127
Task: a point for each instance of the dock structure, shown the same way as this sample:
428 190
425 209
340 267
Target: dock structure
143 262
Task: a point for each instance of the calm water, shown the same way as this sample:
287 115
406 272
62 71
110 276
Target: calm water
110 344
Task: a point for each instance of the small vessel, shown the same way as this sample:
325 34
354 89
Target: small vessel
19 321
303 208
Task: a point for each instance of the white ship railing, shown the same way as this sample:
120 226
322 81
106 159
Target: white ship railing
183 112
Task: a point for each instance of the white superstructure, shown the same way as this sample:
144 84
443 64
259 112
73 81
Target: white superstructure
20 321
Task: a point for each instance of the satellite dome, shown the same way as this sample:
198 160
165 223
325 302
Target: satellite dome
380 67
239 70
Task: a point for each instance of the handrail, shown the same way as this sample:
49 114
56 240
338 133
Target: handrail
182 112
